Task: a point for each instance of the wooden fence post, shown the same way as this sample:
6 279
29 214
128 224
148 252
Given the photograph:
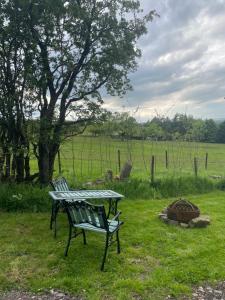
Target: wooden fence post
206 161
119 162
196 166
153 169
166 159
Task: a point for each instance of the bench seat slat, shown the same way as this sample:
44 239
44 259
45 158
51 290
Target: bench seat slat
113 226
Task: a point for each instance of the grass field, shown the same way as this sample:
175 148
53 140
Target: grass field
88 158
156 259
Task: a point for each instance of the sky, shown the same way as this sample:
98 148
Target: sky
182 68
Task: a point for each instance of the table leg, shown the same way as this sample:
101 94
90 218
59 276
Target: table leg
112 207
57 205
52 214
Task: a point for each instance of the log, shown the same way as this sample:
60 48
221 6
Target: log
126 170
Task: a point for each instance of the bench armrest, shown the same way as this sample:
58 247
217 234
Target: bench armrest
116 218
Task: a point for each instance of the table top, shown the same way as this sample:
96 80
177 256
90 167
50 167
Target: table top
84 194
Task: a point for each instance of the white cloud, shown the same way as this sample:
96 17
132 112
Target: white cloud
183 64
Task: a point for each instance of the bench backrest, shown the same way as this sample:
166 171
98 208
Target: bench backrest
83 212
60 184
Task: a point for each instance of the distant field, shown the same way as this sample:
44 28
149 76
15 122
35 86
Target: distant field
89 157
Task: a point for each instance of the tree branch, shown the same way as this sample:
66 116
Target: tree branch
84 94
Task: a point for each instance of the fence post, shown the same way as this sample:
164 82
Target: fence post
119 162
59 163
206 161
196 166
166 159
153 169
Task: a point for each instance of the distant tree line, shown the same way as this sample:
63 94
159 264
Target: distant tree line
180 127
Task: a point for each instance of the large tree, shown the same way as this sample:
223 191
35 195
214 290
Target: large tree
79 48
14 100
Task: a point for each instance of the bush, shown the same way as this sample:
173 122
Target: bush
24 197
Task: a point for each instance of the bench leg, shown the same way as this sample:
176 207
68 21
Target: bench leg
105 253
84 237
52 214
118 241
56 209
68 243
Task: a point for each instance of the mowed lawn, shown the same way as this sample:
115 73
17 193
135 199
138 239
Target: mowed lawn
89 157
156 259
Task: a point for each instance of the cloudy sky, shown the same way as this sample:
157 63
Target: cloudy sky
182 68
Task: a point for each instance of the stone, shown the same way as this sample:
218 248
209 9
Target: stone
165 219
195 295
161 215
200 222
59 294
184 225
172 222
99 181
218 292
164 211
215 176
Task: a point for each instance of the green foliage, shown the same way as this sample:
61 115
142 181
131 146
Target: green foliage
221 133
163 188
23 197
181 127
156 259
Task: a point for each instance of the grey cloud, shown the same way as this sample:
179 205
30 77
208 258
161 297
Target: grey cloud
182 57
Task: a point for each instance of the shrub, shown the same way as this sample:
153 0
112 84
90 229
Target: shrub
24 197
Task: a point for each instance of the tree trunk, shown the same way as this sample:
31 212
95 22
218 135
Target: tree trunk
49 142
20 167
27 167
52 157
43 163
7 164
13 167
2 160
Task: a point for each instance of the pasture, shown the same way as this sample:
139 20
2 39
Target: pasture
87 158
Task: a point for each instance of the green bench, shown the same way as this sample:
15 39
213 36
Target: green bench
84 216
59 184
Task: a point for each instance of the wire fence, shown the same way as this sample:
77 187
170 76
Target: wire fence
89 158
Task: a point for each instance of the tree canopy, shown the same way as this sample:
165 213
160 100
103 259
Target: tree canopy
70 52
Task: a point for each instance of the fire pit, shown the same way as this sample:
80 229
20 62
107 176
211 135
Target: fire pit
182 211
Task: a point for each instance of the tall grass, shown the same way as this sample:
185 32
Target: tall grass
23 197
26 197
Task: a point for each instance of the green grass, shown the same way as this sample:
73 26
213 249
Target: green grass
156 259
88 158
